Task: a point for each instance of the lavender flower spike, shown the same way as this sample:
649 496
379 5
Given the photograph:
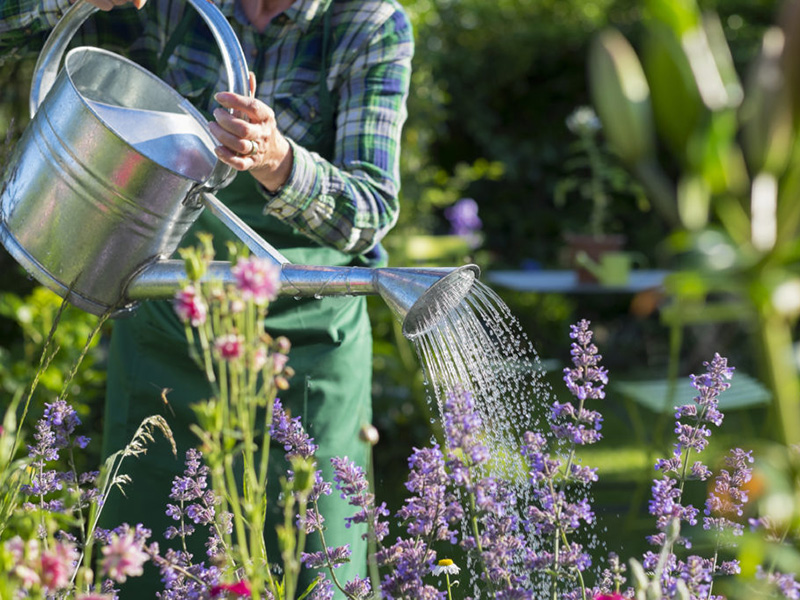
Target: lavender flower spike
587 379
705 410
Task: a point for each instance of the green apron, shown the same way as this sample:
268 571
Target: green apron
331 390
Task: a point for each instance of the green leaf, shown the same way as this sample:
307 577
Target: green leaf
621 97
679 15
677 107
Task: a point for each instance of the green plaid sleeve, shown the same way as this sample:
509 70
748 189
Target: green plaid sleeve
351 202
24 24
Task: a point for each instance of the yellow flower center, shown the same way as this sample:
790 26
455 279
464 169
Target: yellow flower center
445 562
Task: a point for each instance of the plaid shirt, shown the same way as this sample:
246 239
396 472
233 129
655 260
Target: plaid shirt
349 202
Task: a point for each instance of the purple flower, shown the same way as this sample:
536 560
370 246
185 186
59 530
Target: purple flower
431 509
462 425
352 483
729 494
411 561
54 432
358 588
705 410
333 557
586 379
323 590
463 217
290 433
785 583
196 505
182 579
502 542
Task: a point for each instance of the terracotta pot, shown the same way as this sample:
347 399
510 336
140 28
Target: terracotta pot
594 246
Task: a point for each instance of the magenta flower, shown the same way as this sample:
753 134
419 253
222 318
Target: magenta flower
240 588
230 346
190 306
257 279
123 557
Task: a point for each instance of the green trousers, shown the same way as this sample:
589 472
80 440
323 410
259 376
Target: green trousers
331 390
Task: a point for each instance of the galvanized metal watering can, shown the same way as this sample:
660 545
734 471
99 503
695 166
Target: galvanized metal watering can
114 168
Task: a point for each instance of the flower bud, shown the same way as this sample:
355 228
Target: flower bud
369 434
193 263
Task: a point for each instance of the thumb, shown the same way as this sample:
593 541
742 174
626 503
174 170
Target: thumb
252 75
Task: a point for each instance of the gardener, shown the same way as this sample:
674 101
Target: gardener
317 153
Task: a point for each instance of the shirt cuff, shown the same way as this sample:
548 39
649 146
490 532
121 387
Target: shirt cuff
295 195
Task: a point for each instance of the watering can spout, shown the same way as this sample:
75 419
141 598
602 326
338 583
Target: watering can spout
419 298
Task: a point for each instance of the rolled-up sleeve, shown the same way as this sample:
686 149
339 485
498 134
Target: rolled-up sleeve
23 23
351 202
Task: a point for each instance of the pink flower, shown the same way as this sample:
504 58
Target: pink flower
230 346
613 596
240 588
57 566
190 306
123 557
259 358
25 555
257 278
280 361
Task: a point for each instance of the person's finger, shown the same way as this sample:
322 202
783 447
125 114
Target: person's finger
253 108
234 125
234 159
252 83
239 144
104 5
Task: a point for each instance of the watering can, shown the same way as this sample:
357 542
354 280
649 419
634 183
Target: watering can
114 168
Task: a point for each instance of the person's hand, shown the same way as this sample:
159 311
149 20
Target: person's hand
250 140
107 5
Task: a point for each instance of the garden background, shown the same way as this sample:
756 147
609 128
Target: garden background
493 85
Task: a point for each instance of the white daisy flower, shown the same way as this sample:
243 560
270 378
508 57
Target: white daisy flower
446 566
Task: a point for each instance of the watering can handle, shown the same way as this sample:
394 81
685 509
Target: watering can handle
236 71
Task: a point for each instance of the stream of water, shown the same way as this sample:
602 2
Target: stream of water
481 347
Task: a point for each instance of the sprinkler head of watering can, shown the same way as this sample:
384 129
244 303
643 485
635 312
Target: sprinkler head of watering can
422 298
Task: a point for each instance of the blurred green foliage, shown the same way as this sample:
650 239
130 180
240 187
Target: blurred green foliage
31 335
